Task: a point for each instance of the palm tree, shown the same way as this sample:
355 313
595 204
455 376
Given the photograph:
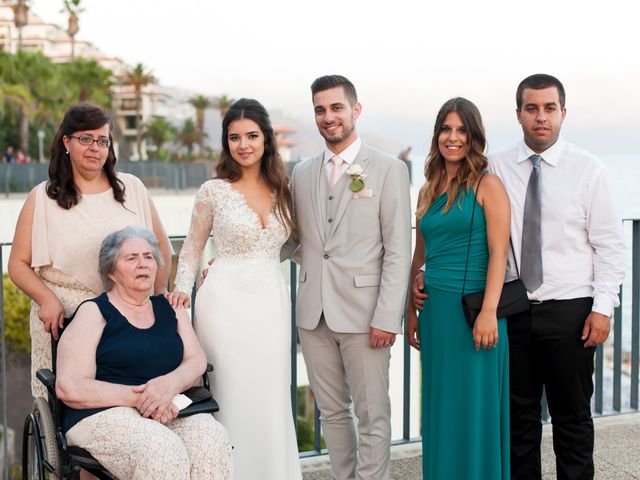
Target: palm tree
35 92
188 135
21 18
159 131
87 81
139 77
35 89
200 103
19 96
73 8
222 104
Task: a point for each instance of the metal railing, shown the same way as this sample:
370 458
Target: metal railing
153 173
613 365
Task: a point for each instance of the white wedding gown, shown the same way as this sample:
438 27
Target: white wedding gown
243 321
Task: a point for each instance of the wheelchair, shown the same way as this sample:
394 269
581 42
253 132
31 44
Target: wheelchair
45 453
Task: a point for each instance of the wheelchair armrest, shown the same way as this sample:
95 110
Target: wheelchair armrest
206 406
46 377
205 376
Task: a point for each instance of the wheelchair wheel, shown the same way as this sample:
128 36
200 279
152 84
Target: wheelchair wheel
40 456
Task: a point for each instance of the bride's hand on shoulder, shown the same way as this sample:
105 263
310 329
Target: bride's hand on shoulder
178 299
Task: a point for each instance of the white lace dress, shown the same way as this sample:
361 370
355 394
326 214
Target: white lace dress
242 318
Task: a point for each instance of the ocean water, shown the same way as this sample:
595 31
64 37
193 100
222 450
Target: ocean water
625 178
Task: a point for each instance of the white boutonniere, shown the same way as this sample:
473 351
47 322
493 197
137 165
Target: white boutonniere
357 177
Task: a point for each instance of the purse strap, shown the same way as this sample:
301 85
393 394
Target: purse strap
473 211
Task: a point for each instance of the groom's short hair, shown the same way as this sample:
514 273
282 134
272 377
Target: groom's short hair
331 81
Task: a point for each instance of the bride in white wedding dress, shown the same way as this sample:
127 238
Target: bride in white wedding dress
242 310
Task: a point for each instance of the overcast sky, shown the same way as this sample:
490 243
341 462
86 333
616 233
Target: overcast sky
405 57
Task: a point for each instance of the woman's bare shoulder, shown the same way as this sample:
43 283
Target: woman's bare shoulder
489 181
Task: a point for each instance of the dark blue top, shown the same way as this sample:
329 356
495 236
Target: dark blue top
128 355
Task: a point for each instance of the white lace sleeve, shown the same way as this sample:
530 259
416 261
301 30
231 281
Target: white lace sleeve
199 230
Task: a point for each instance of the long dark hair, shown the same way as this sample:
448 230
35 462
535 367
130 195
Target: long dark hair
271 166
474 163
61 186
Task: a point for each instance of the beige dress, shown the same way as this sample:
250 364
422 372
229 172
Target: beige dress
64 252
132 447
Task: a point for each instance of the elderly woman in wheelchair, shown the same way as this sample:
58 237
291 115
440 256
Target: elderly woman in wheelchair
121 363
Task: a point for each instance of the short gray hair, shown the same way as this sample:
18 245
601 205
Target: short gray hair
112 244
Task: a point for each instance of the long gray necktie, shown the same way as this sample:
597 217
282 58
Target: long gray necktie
531 255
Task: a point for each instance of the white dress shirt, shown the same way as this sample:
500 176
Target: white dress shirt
583 248
349 154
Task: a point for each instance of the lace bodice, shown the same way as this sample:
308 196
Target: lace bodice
237 230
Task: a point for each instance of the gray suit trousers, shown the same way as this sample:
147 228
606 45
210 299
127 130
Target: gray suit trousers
341 367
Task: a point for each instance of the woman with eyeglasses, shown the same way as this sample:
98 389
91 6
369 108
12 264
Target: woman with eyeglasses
54 257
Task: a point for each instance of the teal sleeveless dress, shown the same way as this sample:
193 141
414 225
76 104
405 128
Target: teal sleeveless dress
465 393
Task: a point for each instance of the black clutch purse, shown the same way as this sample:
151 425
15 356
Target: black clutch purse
513 298
202 400
197 394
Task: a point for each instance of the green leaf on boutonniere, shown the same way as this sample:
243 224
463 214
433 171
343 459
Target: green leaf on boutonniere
356 185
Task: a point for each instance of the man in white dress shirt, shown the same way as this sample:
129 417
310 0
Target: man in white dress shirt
582 266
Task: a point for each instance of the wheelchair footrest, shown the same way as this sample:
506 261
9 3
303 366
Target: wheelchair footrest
82 457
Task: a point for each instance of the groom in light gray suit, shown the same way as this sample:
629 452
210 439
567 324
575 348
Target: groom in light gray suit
352 210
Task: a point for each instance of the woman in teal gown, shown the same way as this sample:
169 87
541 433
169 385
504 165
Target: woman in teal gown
465 372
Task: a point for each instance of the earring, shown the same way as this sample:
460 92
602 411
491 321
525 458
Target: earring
67 152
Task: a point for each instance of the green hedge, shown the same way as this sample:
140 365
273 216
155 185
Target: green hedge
16 317
305 422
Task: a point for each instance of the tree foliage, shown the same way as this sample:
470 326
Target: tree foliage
188 135
305 423
88 82
35 93
222 104
16 317
159 131
201 104
139 77
72 6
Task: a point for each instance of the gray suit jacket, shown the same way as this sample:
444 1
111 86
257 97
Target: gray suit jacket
356 270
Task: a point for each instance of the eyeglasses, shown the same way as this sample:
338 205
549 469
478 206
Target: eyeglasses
87 140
